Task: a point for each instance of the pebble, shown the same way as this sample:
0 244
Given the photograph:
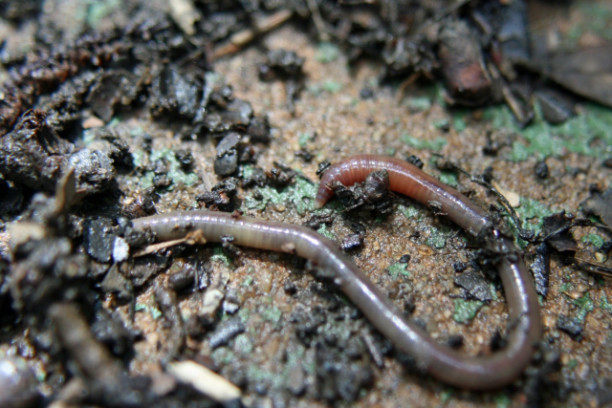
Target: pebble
571 326
211 303
17 384
99 238
541 170
226 331
93 170
226 164
121 250
476 285
296 379
228 143
114 282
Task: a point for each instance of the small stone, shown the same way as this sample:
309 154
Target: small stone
211 303
352 241
161 181
571 326
226 331
540 268
185 158
112 88
228 143
541 170
414 160
173 94
240 111
476 285
556 108
227 164
230 307
183 278
146 267
366 93
114 282
99 238
92 122
121 250
455 341
512 197
259 130
296 379
17 383
93 170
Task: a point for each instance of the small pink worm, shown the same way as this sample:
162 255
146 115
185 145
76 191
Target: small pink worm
525 329
470 372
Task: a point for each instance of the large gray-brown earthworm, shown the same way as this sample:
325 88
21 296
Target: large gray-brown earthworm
470 372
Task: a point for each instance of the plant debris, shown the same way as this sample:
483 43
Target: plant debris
475 285
600 205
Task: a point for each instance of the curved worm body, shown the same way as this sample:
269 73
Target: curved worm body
470 372
525 328
409 180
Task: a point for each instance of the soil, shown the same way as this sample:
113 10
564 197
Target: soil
259 319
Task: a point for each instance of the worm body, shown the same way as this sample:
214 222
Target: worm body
465 371
409 180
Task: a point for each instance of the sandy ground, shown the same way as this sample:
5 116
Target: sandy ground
332 121
337 124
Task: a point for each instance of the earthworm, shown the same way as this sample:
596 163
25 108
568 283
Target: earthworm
448 365
525 329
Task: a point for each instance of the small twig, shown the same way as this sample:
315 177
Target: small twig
150 249
195 237
185 15
523 233
318 20
521 112
401 90
593 267
205 381
243 37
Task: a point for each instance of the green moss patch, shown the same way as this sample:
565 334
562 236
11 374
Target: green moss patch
587 133
466 310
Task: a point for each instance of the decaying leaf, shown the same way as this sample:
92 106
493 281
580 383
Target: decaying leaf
600 205
586 72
